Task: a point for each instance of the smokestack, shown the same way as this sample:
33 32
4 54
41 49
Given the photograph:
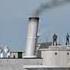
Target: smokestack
31 37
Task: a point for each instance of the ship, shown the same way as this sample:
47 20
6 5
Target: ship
38 57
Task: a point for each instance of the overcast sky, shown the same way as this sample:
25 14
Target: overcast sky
14 16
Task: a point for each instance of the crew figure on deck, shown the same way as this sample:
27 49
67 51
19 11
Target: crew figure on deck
67 39
54 39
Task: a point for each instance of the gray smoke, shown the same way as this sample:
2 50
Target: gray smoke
49 5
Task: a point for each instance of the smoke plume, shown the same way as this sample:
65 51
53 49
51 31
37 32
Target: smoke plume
49 5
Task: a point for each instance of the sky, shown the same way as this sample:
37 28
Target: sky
14 16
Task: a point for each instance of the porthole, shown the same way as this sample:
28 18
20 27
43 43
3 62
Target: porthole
55 53
67 53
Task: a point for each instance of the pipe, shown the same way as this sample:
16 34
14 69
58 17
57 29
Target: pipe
31 36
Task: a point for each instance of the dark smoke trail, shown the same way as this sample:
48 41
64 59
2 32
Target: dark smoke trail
49 5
